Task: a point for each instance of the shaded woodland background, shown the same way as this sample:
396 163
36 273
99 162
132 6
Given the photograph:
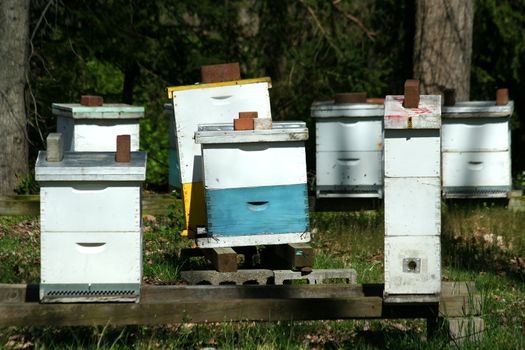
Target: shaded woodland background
130 51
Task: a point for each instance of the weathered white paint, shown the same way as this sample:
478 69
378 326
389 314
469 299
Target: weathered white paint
91 257
90 206
477 109
425 251
426 116
253 240
94 129
237 165
329 109
412 207
349 134
412 181
349 169
224 134
475 134
412 153
476 150
90 166
476 169
212 104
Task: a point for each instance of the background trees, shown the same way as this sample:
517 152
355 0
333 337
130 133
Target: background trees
130 50
14 34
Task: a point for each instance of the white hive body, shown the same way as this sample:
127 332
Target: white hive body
208 103
476 150
349 146
412 200
91 235
95 129
255 185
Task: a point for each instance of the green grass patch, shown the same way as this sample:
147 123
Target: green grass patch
484 244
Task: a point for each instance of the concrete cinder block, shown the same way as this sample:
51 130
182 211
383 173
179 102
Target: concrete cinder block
91 101
243 124
55 147
217 73
462 329
316 276
259 276
262 124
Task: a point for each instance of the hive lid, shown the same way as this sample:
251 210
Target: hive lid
330 109
224 133
426 116
106 111
223 83
91 166
478 109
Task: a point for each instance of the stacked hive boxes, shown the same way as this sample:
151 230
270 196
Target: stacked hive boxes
255 184
92 126
90 216
412 199
476 149
204 103
349 146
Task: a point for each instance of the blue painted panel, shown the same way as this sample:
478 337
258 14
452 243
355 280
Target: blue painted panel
257 210
174 169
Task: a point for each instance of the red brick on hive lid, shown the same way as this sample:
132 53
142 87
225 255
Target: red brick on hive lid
217 73
243 124
411 99
502 97
248 115
350 97
123 153
91 100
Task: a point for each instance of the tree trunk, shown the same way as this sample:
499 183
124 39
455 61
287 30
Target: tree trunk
443 46
14 39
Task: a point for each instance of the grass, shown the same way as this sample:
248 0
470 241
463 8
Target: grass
484 244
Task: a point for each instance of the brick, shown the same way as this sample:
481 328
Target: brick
123 153
55 147
350 97
248 115
217 73
262 124
411 94
502 97
449 96
243 124
91 101
376 100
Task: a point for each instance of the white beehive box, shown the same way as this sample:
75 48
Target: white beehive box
255 185
209 103
94 129
412 267
91 236
412 200
476 146
349 145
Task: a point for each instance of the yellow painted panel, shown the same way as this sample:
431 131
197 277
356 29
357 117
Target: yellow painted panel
194 208
224 83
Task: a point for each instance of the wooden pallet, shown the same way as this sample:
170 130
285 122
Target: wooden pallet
459 304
